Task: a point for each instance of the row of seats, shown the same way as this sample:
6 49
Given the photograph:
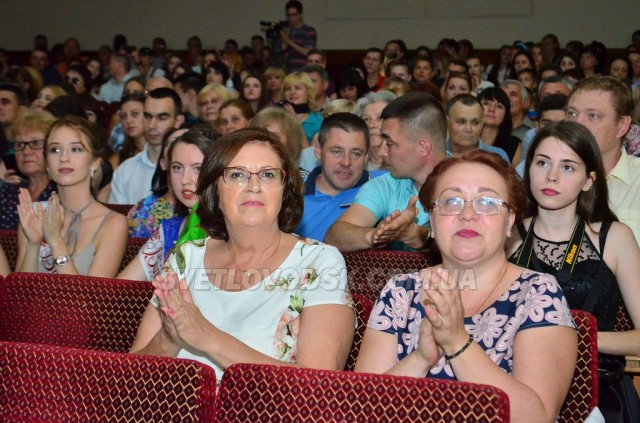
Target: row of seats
90 313
50 383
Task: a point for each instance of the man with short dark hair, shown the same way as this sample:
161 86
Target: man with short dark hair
39 60
132 179
187 86
13 101
550 109
331 187
414 129
119 68
374 62
320 80
145 63
298 37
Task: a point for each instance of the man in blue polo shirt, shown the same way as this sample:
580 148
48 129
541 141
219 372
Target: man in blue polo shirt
332 186
386 211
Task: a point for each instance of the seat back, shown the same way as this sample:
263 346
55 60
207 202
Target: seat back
133 247
363 308
583 392
370 270
253 392
120 208
9 241
74 311
49 383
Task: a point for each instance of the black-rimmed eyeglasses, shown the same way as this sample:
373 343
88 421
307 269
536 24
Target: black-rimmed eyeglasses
33 144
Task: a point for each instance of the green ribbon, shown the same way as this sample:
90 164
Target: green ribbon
192 230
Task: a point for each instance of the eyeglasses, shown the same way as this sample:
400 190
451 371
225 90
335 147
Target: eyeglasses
33 144
239 177
75 80
485 206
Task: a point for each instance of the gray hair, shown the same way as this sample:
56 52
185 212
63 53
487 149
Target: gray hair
523 89
382 96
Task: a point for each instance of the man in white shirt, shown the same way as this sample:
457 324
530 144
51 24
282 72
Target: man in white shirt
603 104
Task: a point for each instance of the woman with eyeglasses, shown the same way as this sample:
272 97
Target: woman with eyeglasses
573 234
476 318
266 296
184 158
71 233
28 132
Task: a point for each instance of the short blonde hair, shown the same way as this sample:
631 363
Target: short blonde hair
274 71
32 120
288 124
220 90
304 79
339 105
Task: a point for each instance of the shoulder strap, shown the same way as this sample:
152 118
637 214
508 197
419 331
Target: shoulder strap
104 219
602 236
526 249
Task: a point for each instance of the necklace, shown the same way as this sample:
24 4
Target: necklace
246 271
492 291
73 230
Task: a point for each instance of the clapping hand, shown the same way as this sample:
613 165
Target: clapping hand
444 309
53 220
181 319
397 226
31 218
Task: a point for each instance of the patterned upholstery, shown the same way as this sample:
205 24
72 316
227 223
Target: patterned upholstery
9 241
583 392
120 208
253 392
133 247
74 311
623 320
370 270
48 383
363 310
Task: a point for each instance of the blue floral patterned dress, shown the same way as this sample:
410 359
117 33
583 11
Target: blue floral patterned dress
532 300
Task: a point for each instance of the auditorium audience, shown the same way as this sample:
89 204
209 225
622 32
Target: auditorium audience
73 234
299 92
46 95
287 291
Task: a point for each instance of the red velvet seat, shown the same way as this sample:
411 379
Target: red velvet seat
120 208
583 392
75 311
48 383
252 392
363 310
370 270
9 241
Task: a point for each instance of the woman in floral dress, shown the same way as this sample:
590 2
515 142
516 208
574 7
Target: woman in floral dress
477 318
251 292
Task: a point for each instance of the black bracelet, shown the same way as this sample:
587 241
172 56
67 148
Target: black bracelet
460 351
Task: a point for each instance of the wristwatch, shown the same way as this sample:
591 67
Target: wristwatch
62 260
